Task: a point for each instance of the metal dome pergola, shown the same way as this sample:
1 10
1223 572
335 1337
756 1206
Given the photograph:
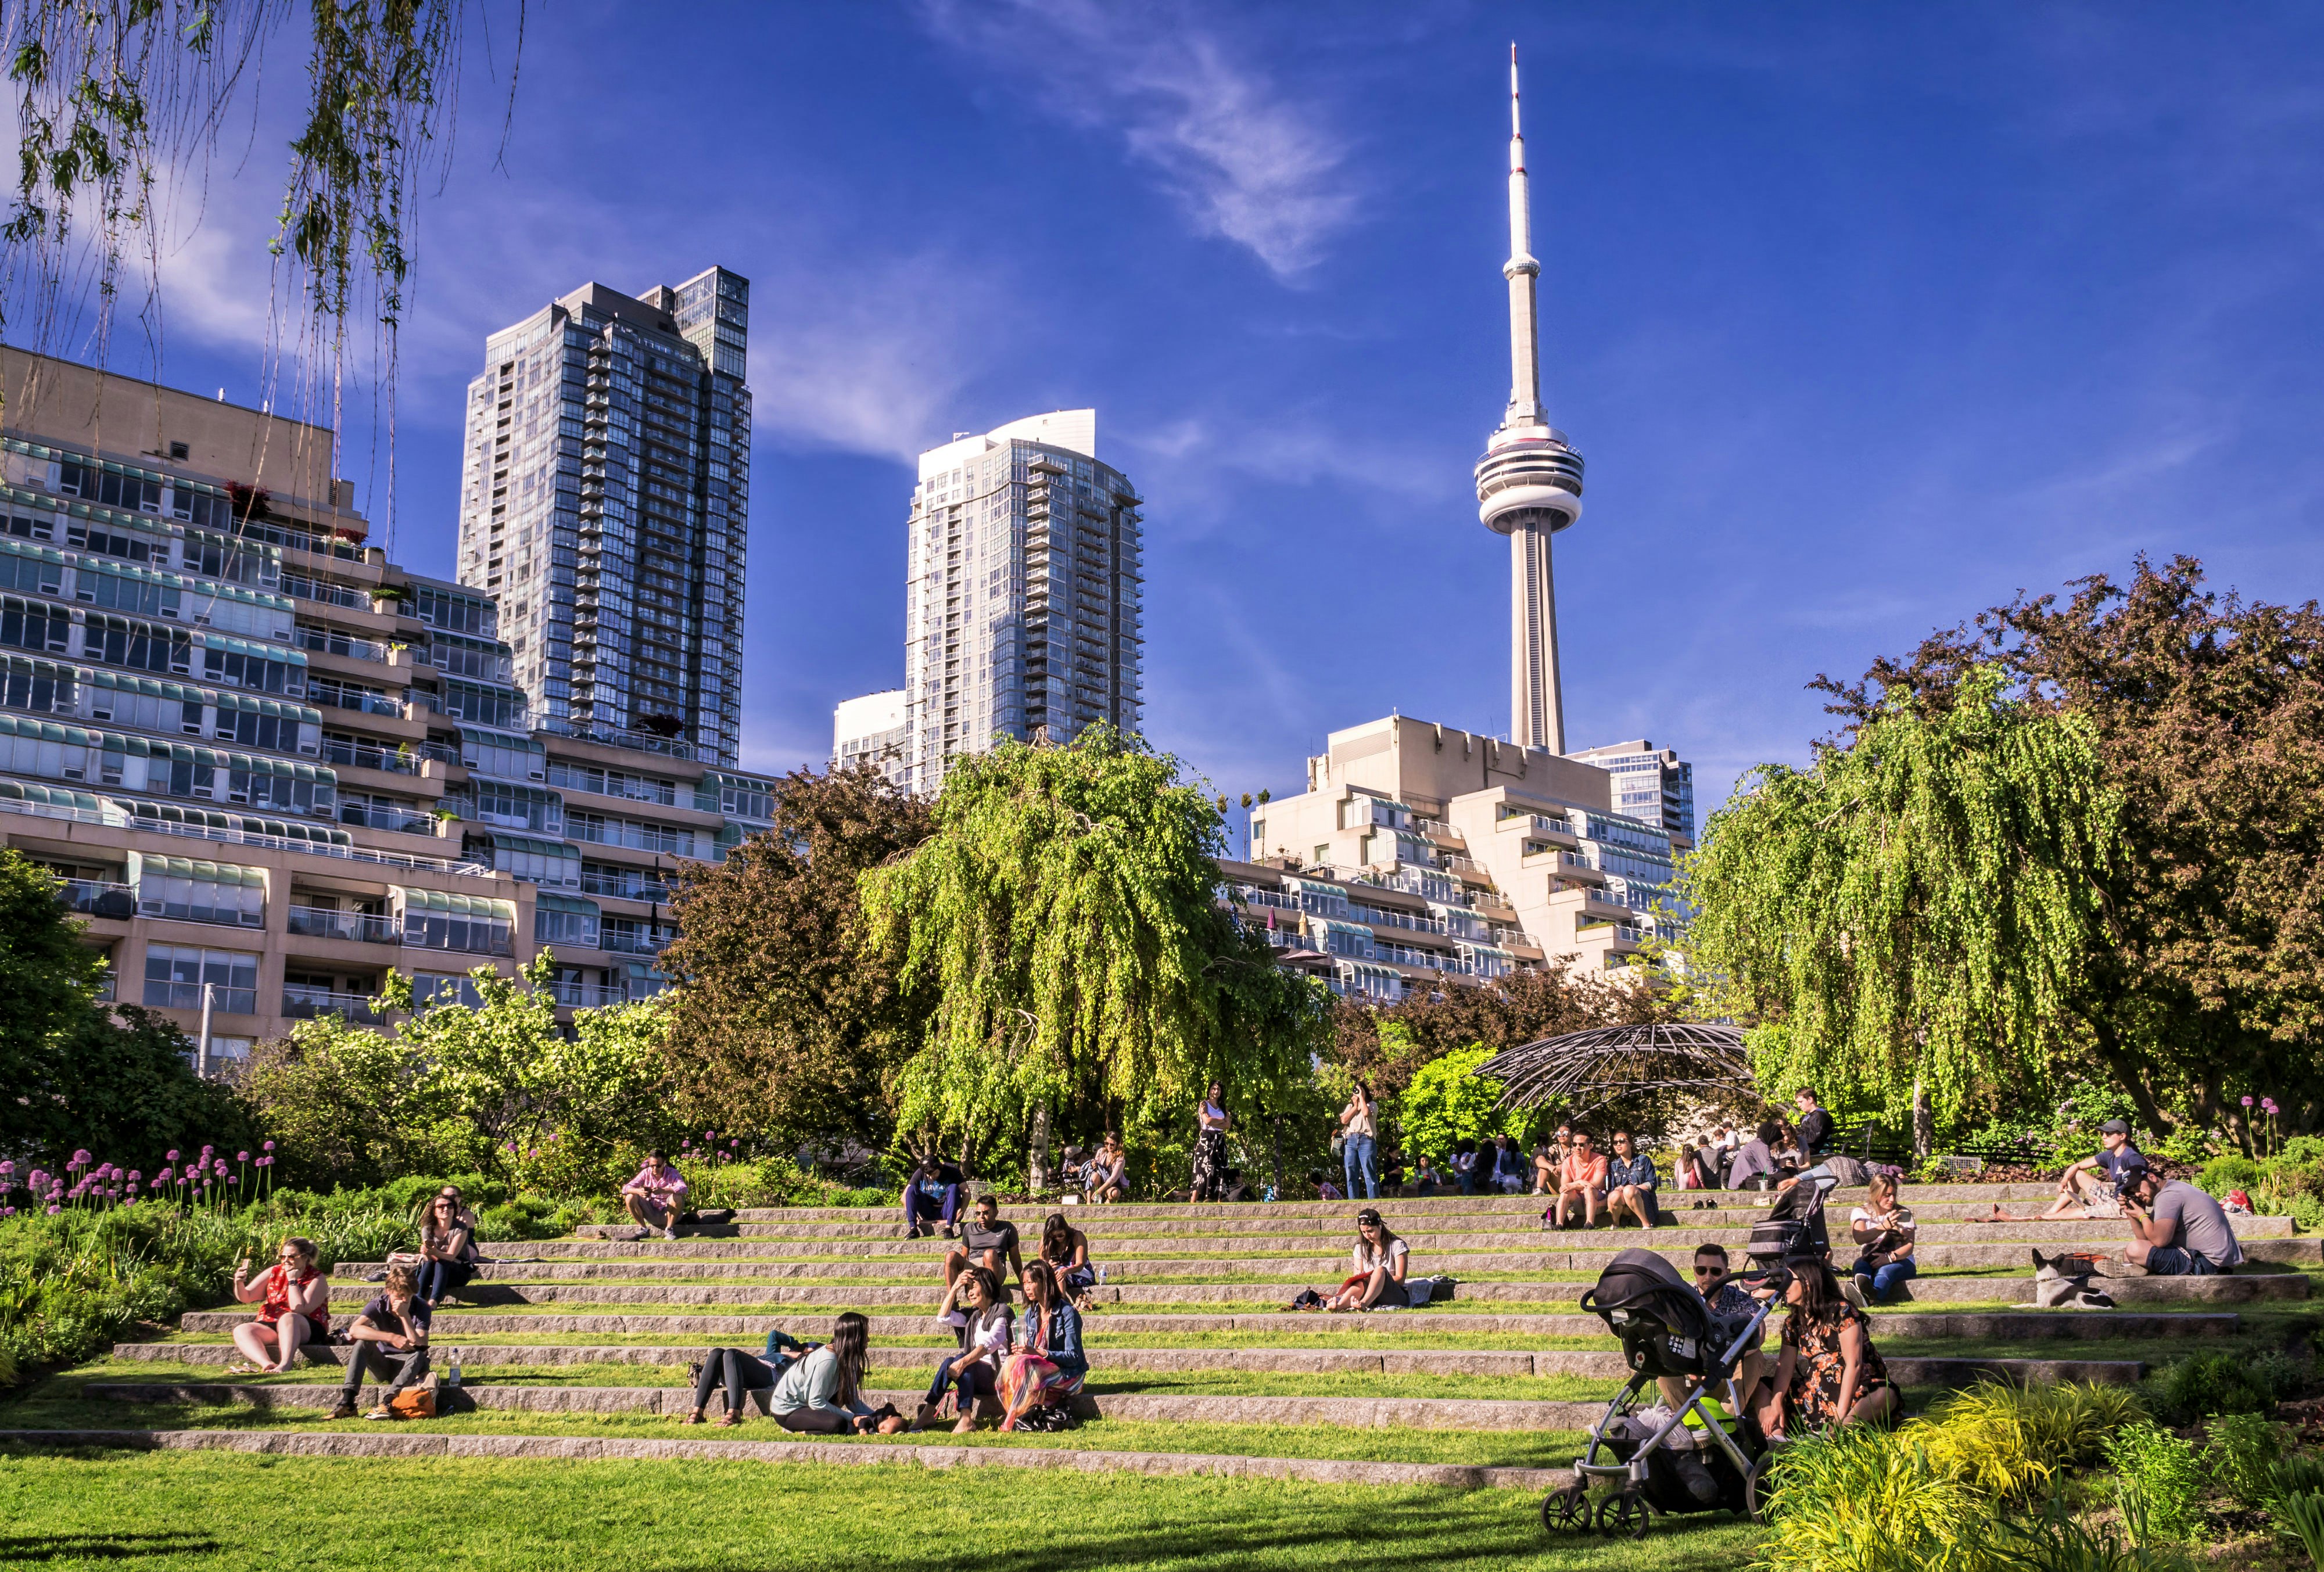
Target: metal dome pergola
1584 1072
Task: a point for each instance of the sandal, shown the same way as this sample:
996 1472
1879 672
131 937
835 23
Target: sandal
243 1367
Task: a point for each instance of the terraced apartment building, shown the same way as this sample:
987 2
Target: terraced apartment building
272 766
1420 854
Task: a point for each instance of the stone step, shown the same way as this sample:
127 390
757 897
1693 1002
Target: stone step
1994 1324
1913 1195
1552 1253
1594 1364
2240 1288
405 1442
1206 1237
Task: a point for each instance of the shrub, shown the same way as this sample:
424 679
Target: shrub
2303 1149
2240 1456
2156 1482
1865 1499
2055 1542
2194 1389
2300 1474
2009 1442
2231 1171
2301 1518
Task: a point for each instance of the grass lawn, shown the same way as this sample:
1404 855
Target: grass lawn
214 1512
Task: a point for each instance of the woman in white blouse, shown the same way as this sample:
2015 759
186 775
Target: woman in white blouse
1381 1260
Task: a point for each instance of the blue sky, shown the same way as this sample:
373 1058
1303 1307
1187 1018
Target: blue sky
1863 317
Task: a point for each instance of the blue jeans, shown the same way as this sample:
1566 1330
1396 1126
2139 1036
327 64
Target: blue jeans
442 1279
919 1206
1356 1156
1886 1280
2178 1261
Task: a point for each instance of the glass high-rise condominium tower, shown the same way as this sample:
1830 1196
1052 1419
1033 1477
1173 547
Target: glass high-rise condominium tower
1023 609
605 498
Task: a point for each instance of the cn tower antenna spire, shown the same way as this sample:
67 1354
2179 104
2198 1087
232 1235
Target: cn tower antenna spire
1530 481
1522 273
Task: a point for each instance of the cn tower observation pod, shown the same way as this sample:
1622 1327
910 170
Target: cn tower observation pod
1529 479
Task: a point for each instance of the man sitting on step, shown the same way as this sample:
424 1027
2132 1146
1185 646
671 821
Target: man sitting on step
932 1192
2093 1187
391 1336
986 1241
2181 1231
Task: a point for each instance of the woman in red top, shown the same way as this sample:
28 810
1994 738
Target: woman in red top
294 1299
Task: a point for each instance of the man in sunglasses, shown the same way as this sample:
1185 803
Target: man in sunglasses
1731 1305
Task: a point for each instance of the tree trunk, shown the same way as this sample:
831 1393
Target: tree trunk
1274 1152
2125 1069
1924 1125
1037 1164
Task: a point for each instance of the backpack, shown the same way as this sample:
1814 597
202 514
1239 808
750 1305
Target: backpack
1043 1418
1426 1291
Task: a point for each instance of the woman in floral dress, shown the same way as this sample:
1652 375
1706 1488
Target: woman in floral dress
1828 1374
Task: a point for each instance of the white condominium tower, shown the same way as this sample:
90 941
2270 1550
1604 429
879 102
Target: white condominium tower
1022 602
1528 485
603 501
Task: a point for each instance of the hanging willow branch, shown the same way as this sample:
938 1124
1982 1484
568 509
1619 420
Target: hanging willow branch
1921 905
120 101
1064 908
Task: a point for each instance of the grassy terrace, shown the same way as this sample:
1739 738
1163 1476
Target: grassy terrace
173 1512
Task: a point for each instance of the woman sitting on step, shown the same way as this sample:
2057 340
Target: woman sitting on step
976 1306
1827 1374
294 1300
1381 1260
1050 1369
446 1260
1065 1250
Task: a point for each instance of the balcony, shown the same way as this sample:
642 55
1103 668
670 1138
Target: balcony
188 996
329 594
632 942
365 704
92 898
328 641
359 927
371 756
400 821
308 1004
589 995
626 885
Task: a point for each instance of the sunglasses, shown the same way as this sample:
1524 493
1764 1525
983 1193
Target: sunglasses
1710 1271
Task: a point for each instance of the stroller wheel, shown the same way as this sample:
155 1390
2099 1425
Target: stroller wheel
1623 1515
1567 1510
1756 1490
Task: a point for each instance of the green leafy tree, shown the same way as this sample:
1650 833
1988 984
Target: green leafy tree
785 1022
131 1093
1919 910
494 1088
2207 713
48 981
1447 1102
1064 911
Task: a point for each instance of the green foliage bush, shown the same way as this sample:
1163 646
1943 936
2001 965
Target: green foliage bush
2158 1483
2240 1453
1445 1102
1861 1499
2010 1443
2187 1390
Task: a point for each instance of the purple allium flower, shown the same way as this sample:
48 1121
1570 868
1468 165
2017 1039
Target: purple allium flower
206 1151
2247 1102
270 1146
171 1154
54 1210
79 1158
241 1157
135 1176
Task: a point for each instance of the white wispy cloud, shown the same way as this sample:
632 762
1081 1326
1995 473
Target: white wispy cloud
1246 162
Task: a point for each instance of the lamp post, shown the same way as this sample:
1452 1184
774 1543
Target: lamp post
202 1050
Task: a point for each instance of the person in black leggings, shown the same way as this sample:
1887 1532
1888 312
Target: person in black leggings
741 1373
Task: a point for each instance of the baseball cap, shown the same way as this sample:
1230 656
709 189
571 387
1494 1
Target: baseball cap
2115 1128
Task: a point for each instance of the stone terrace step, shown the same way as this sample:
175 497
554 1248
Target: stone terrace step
1913 1195
1238 1233
1554 1252
411 1444
1356 1412
2240 1289
2003 1324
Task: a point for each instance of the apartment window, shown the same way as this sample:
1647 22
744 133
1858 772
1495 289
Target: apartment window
187 891
176 973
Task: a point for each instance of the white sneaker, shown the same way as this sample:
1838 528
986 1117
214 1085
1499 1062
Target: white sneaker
670 1232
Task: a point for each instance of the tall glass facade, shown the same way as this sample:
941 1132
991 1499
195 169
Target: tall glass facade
1025 593
606 503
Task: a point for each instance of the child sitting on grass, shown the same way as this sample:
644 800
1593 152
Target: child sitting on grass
391 1336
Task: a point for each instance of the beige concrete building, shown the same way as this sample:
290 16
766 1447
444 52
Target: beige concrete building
1488 855
271 766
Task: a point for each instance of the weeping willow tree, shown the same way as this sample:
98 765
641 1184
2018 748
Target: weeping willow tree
1916 914
118 104
1064 911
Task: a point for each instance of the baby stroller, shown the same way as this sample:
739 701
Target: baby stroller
1666 1465
1795 1223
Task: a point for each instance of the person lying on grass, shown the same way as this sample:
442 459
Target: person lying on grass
823 1394
294 1300
976 1306
1828 1374
657 1196
1381 1260
390 1337
1048 1370
1065 1250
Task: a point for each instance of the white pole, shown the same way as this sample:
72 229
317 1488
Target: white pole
202 1053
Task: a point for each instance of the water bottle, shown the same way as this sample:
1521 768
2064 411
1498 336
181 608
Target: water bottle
452 1378
1100 1277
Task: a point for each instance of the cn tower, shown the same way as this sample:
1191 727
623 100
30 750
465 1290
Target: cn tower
1528 484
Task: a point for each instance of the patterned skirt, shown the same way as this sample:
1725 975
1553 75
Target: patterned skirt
1210 1164
1034 1380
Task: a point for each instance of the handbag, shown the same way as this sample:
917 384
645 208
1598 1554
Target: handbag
413 1403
